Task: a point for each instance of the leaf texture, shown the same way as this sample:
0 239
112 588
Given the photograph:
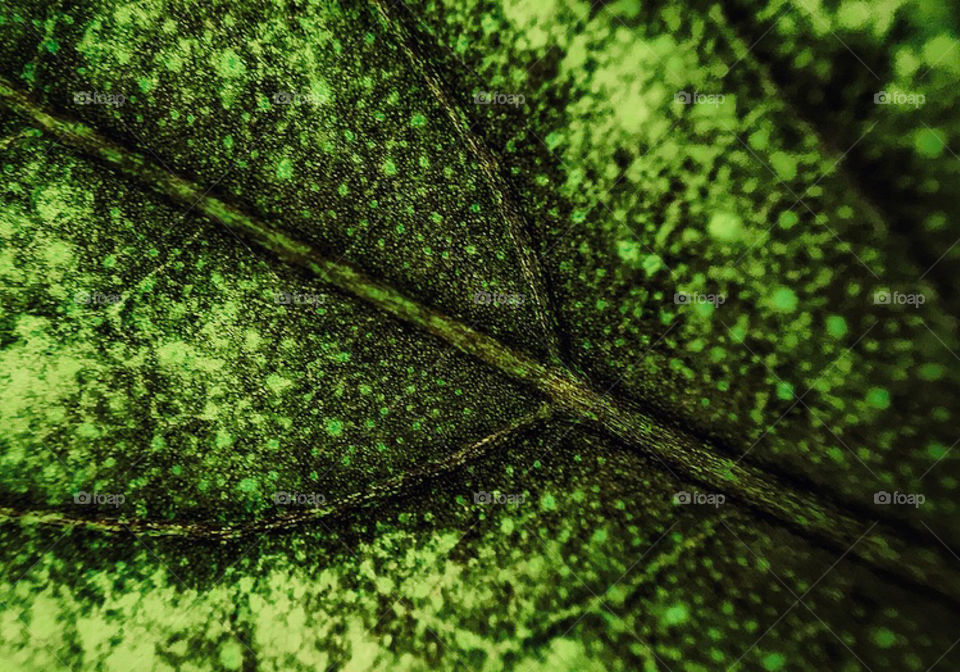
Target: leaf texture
298 259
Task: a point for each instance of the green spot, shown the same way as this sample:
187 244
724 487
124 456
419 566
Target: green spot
725 227
788 219
628 250
783 300
853 14
548 503
884 638
878 398
389 168
773 661
231 655
651 264
928 143
675 615
785 165
285 169
836 326
230 64
334 427
784 391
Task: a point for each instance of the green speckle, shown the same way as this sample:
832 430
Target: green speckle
783 300
725 227
285 169
787 219
628 250
878 398
884 638
675 615
548 503
230 64
773 661
784 391
231 655
389 168
854 14
785 165
928 143
652 263
334 427
836 326
931 372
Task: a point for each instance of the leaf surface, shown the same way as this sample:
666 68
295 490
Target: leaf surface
278 267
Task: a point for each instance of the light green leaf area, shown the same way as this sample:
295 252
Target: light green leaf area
451 336
435 580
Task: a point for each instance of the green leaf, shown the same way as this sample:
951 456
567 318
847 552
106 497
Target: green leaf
473 336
